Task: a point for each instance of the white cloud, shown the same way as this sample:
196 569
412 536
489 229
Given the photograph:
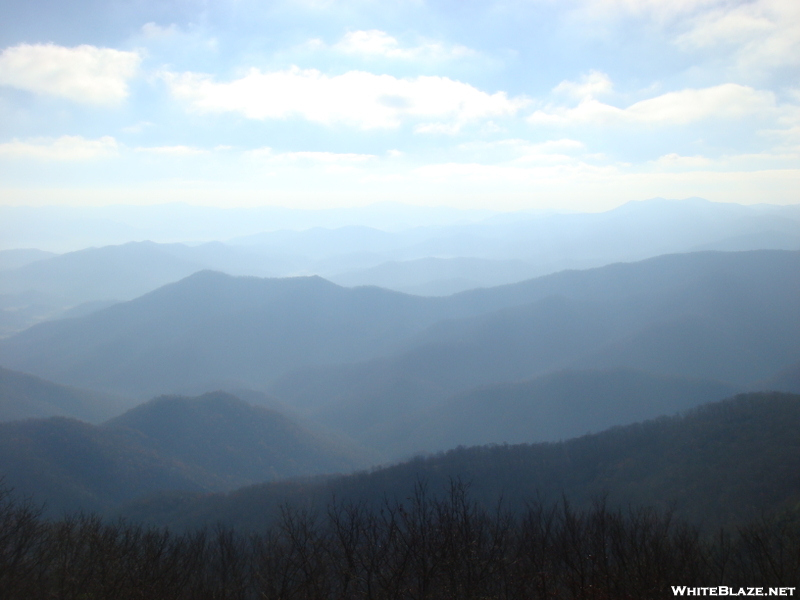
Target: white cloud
84 74
661 10
727 101
590 86
138 127
763 33
267 153
438 128
65 148
333 163
676 161
752 35
154 31
510 173
356 98
374 42
724 27
172 150
523 152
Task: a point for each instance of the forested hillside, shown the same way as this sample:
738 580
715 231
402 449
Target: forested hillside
552 407
724 463
211 443
24 396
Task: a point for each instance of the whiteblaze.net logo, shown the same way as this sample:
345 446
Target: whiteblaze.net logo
723 590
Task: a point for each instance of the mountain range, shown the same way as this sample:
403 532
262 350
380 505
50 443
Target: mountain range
326 350
208 443
249 379
24 396
462 252
724 463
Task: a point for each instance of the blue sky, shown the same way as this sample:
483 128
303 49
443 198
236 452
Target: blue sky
571 104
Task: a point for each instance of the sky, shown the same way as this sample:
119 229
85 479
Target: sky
505 105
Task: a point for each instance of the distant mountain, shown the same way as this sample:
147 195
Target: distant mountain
320 242
24 396
553 407
787 380
64 228
761 240
213 442
12 259
212 327
19 311
63 284
725 316
439 276
463 251
723 463
237 442
108 273
633 231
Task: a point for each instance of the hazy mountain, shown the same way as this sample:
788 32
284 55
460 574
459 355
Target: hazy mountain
111 272
633 231
237 442
83 309
722 463
552 407
12 259
24 396
787 380
435 259
508 345
213 442
64 284
70 465
76 283
762 240
439 276
320 242
18 311
212 327
63 228
725 316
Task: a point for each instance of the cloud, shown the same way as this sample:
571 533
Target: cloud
84 74
154 31
64 148
172 150
354 98
661 10
591 85
310 156
438 128
727 101
515 152
724 27
379 43
138 127
753 35
762 34
335 163
676 161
